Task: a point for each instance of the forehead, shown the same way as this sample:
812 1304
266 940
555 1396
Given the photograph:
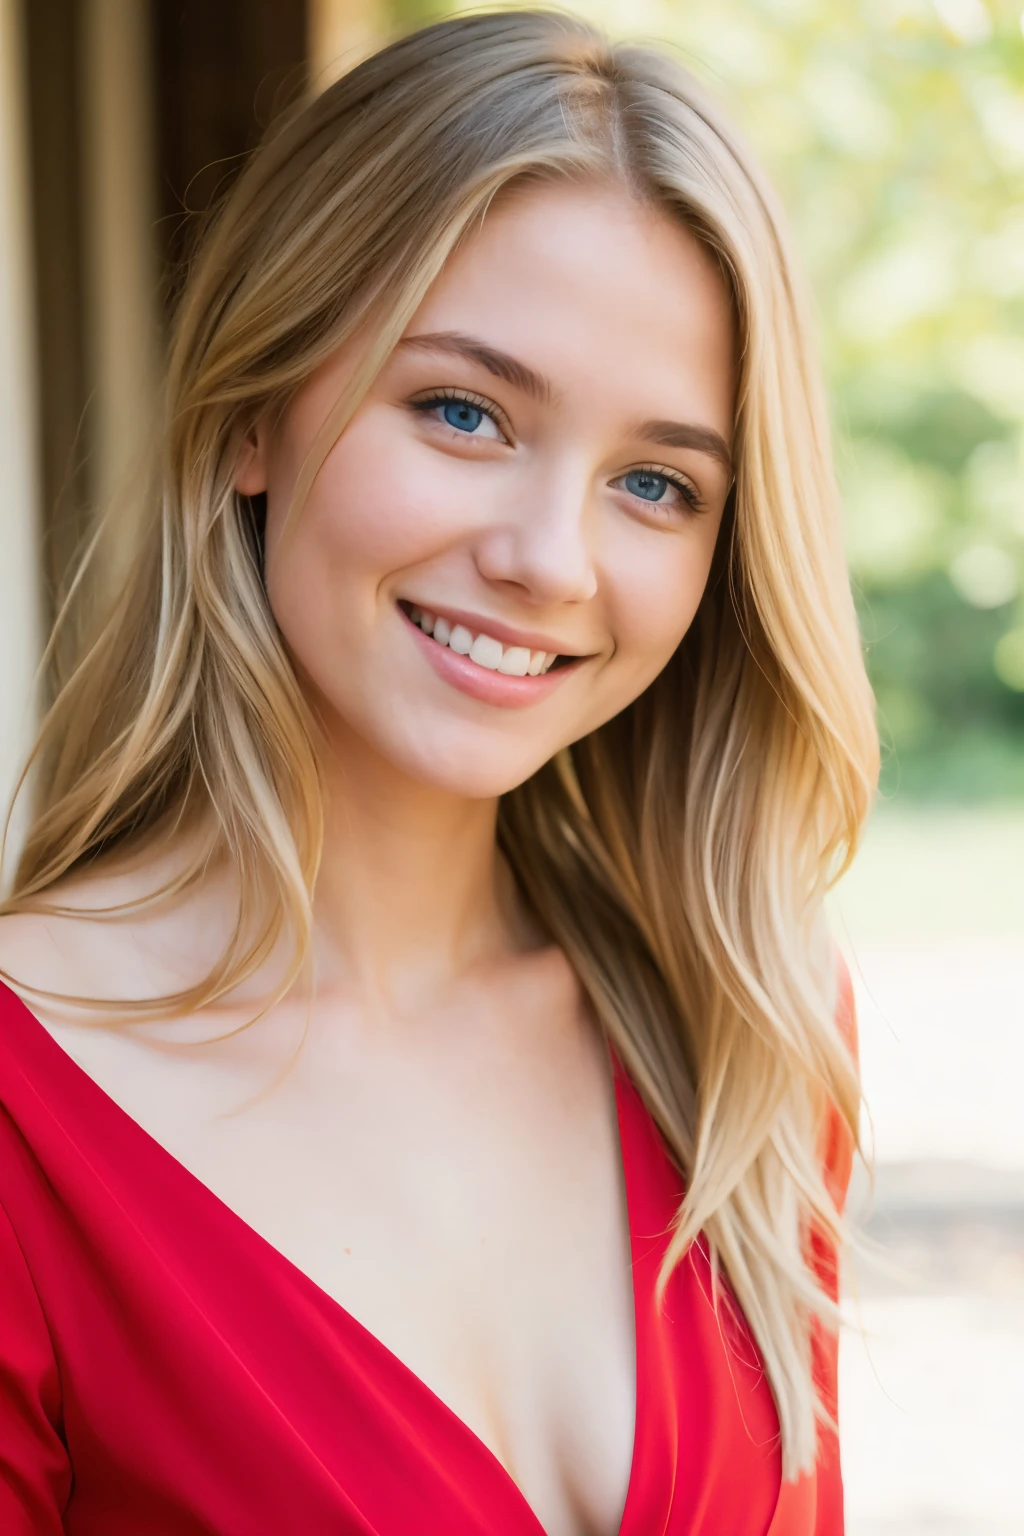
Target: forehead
599 292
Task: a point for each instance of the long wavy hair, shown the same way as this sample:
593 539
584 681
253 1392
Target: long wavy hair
679 854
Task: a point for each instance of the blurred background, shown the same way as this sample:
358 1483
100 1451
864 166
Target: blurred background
895 131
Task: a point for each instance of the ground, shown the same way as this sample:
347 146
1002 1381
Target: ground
932 1373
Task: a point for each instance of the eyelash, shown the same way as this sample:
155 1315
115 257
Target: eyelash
467 397
684 487
501 421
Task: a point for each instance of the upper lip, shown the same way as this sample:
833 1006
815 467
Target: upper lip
481 624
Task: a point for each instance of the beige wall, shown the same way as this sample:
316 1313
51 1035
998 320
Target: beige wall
19 512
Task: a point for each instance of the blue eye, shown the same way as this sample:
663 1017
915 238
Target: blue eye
460 414
652 486
645 484
463 415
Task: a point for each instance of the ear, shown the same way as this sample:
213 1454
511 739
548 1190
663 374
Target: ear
250 466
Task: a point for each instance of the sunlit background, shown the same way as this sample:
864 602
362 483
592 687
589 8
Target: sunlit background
895 130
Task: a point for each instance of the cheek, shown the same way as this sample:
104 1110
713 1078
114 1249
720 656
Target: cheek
371 505
380 505
654 596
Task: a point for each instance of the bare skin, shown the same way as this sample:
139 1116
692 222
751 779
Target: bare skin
442 1157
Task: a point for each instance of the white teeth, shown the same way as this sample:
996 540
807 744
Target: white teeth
514 662
486 652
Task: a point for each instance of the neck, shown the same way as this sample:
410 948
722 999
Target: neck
412 890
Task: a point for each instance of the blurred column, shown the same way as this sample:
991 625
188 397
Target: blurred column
223 69
52 82
121 269
341 32
19 513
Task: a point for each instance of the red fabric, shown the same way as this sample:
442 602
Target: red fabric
164 1369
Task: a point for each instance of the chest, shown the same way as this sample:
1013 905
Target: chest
468 1210
207 1385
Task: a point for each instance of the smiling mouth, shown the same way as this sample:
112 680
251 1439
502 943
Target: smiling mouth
488 653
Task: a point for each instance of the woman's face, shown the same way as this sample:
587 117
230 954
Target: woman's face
538 471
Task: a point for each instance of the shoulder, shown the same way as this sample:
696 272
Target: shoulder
44 960
36 951
55 944
114 935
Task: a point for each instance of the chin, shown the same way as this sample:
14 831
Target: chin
470 765
459 756
485 777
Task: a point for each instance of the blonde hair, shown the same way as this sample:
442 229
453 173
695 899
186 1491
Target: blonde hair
680 854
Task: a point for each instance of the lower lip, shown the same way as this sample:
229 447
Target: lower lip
479 682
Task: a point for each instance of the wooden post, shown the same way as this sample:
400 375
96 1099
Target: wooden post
122 275
20 586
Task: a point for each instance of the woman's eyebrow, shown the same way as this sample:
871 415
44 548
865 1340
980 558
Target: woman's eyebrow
501 364
685 434
666 434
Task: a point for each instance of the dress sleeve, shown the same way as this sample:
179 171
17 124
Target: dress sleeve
838 1166
35 1471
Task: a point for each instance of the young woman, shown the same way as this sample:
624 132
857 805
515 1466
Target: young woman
428 1085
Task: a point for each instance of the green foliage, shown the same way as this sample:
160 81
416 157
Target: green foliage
407 15
950 728
895 131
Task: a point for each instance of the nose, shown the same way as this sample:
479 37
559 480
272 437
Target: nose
543 546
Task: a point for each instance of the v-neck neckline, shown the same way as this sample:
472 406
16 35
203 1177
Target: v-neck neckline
623 1088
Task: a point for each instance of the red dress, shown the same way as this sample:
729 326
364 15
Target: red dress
164 1369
